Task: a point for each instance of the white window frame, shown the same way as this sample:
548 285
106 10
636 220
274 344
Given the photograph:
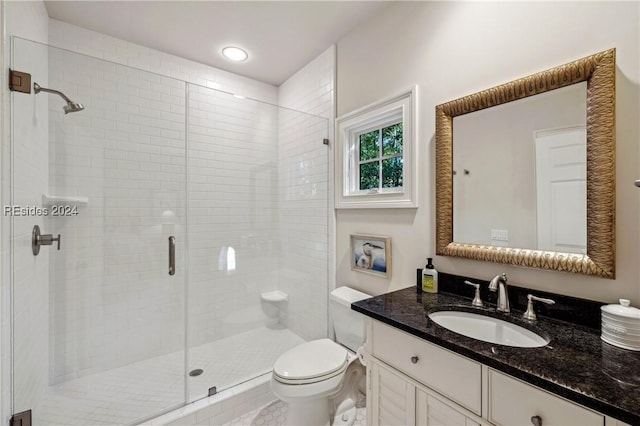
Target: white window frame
399 108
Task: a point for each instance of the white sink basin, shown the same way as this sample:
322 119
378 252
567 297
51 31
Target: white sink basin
487 329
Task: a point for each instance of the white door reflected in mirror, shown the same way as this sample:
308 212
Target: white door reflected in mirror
561 189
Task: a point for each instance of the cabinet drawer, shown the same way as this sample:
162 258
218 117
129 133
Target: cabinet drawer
512 402
454 376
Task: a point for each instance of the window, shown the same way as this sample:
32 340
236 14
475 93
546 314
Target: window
380 158
377 154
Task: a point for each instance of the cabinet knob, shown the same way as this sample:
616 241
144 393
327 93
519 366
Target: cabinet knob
536 420
415 359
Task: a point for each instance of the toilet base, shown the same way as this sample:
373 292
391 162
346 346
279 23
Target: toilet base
314 412
344 402
328 403
345 417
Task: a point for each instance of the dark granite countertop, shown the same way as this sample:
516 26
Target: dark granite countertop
576 364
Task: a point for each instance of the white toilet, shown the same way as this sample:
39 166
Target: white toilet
320 379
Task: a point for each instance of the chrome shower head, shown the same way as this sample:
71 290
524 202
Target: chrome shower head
69 107
72 107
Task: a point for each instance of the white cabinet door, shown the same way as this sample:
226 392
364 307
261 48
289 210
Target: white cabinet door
396 400
393 401
434 411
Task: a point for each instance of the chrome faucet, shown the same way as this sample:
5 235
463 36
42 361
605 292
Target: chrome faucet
499 284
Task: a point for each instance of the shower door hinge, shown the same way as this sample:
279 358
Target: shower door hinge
213 391
21 419
19 81
325 141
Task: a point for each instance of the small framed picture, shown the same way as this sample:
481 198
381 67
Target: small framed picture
371 254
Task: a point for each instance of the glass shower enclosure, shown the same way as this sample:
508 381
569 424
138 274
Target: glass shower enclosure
170 208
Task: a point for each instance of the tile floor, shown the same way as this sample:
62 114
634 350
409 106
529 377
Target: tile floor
237 359
137 391
273 414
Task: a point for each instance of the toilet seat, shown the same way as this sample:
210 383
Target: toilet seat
311 362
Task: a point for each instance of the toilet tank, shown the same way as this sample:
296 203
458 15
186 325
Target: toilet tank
348 325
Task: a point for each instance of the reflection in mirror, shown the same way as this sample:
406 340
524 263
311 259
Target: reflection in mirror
525 200
519 173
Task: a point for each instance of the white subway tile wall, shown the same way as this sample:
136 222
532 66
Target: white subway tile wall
311 89
302 166
233 212
304 195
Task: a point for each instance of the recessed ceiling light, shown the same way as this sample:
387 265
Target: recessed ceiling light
235 54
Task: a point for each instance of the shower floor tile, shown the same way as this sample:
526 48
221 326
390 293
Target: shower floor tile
134 392
237 359
273 414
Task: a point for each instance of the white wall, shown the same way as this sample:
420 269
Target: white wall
452 49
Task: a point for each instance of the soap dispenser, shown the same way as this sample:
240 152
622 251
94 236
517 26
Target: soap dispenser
429 277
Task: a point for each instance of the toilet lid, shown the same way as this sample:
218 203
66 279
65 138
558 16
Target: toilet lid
315 359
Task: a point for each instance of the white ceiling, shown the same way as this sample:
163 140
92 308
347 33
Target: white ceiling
281 37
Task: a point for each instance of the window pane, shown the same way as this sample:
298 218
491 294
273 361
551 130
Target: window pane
369 145
392 140
369 178
392 172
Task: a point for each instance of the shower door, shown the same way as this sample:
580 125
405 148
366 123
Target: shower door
257 202
98 317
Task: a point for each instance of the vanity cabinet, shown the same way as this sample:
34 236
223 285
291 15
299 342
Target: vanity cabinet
394 399
456 377
414 382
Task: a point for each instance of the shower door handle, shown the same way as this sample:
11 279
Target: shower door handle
172 255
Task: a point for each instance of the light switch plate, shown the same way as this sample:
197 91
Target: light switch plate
499 235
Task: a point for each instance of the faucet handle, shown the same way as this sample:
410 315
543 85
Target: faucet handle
530 314
477 301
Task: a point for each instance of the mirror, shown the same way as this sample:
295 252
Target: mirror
518 164
526 185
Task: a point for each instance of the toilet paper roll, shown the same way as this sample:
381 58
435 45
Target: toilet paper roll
360 355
